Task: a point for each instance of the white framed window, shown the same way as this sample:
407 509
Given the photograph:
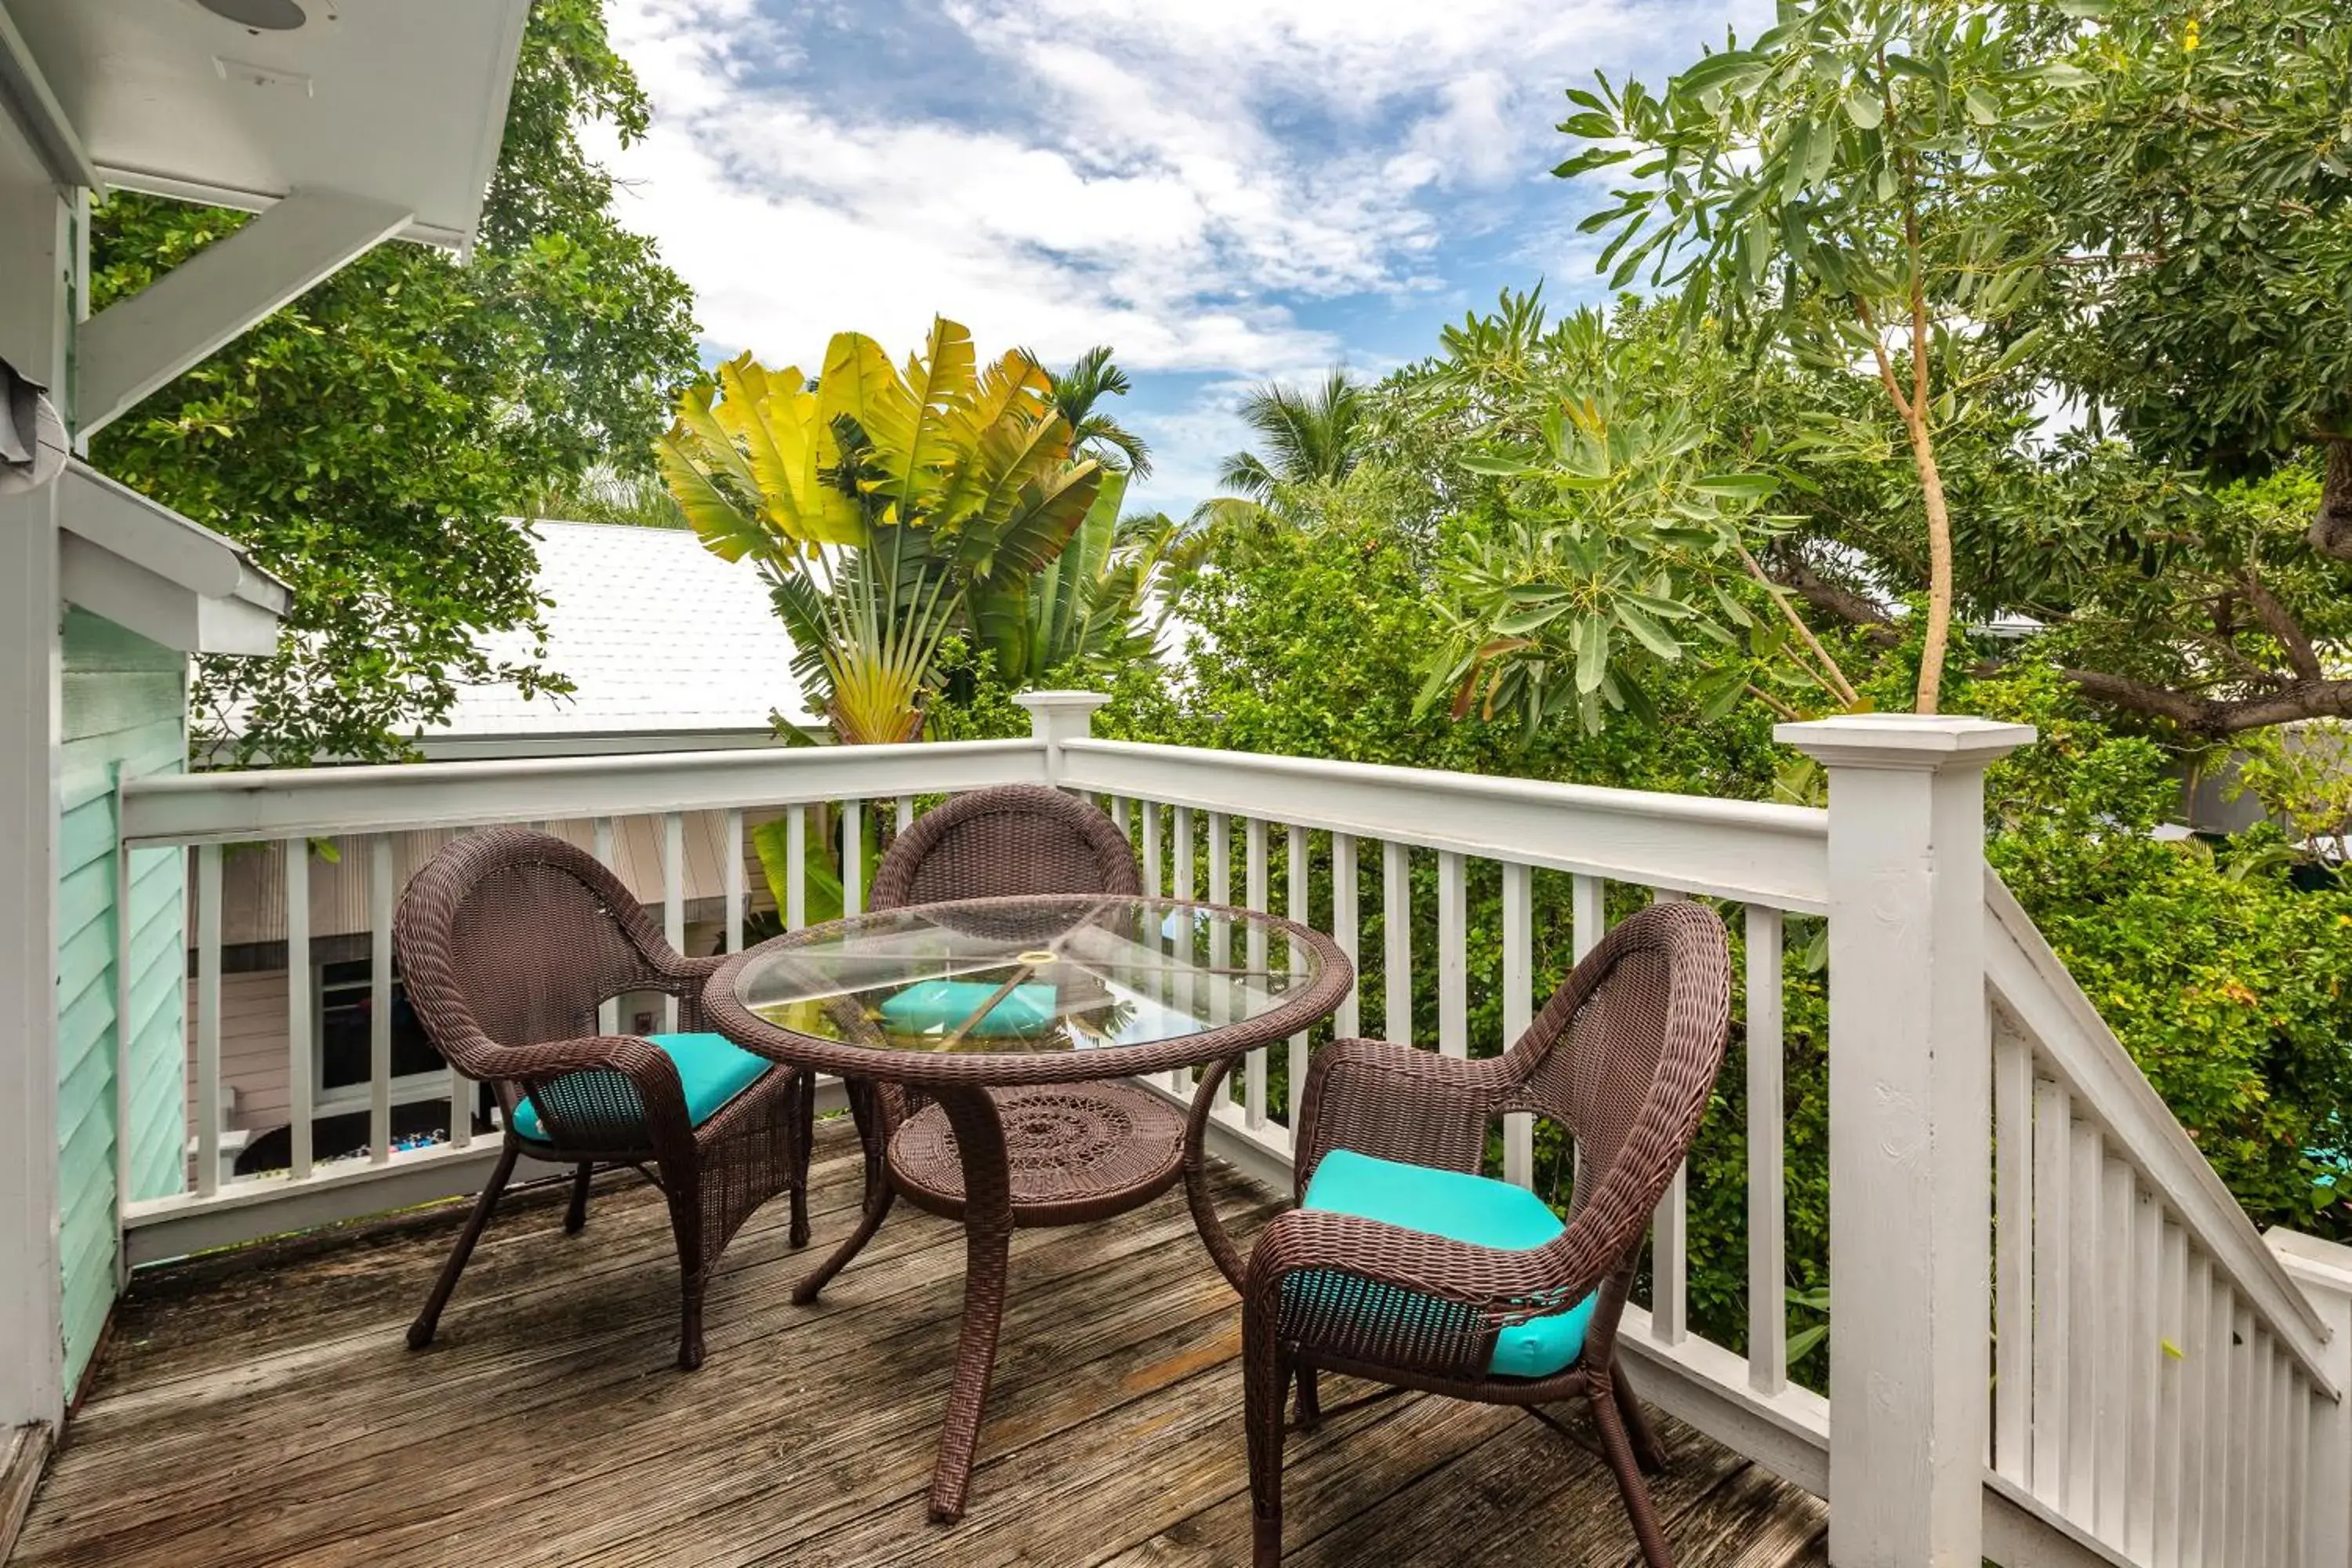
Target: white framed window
342 1046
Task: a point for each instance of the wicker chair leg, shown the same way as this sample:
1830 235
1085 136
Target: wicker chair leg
575 1218
1618 1448
1266 1373
1310 1400
689 1328
1648 1451
420 1332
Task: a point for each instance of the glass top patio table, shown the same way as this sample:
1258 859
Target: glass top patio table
1038 989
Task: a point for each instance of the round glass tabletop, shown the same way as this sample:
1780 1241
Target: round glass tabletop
1137 983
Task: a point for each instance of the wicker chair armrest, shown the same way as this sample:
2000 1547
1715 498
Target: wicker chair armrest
687 975
1496 1287
1399 1102
647 1066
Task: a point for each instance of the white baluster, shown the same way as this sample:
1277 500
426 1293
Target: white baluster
1256 896
904 816
301 1095
1297 885
2013 1090
380 901
1346 930
1518 1004
734 851
1396 943
1768 1228
608 1011
2053 1259
208 1018
673 901
1152 881
1453 956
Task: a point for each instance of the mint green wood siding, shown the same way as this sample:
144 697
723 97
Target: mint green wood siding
124 717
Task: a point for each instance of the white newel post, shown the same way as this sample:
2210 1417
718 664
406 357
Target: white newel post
2323 1270
1910 1133
1058 715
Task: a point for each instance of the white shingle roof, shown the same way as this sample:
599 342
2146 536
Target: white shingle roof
656 634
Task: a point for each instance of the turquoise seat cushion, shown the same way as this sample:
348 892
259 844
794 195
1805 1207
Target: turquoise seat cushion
1459 1207
712 1069
935 1007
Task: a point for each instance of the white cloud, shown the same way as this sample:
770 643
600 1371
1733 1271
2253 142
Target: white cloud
1185 181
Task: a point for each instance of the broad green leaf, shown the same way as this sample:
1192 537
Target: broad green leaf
1865 108
1648 632
1591 653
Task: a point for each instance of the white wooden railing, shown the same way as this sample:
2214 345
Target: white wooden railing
2055 1337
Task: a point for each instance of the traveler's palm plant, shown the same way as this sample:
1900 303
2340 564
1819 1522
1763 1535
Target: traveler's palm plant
881 505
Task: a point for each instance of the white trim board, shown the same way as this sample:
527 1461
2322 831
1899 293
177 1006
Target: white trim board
143 566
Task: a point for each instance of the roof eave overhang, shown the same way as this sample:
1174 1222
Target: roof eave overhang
145 567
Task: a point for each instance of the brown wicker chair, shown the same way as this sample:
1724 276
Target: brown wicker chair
508 942
1624 1055
1000 842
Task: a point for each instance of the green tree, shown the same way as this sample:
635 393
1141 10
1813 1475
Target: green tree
370 441
1834 189
1077 395
1313 442
885 508
2202 184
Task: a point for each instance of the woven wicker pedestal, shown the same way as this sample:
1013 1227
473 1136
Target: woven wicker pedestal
1077 1153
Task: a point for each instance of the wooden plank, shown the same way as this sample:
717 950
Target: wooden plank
23 1456
514 1378
1112 1426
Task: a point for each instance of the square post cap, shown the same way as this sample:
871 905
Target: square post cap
1906 743
1056 716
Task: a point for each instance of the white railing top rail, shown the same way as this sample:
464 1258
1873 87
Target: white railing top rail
2028 980
1744 850
229 807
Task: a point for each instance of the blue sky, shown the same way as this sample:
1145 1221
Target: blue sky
1228 191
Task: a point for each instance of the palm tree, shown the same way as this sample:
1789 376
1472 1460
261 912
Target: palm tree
1075 393
1314 436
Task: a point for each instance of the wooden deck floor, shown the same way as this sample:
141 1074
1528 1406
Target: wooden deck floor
273 1415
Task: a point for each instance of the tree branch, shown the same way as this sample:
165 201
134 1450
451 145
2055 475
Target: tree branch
1831 599
2216 717
2300 656
1832 675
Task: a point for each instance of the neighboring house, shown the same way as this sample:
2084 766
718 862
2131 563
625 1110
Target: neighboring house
664 643
339 128
668 649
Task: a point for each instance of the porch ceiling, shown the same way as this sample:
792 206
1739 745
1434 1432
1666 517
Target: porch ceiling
401 103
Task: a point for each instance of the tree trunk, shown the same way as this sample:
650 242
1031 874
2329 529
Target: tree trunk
2331 531
1939 564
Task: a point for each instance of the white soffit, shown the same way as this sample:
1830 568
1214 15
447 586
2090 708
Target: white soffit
143 566
401 101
